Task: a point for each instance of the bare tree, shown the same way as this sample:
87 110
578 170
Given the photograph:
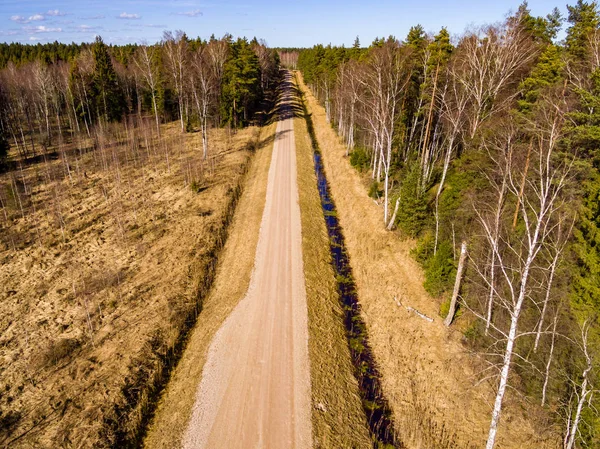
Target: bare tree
518 256
204 89
145 60
175 49
492 60
582 393
388 72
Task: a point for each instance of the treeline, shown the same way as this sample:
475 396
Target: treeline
18 53
491 139
51 93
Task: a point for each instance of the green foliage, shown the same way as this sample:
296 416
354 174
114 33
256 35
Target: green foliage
319 64
241 85
359 158
413 212
444 308
18 53
375 190
584 20
439 268
547 72
586 281
585 125
441 48
108 98
474 333
542 29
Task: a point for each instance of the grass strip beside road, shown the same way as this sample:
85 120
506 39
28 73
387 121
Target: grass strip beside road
337 416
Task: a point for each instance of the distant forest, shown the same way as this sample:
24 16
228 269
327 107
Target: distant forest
488 145
50 92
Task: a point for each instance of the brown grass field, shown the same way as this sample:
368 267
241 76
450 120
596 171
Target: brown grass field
105 258
429 378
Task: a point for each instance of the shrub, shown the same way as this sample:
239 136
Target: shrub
374 190
440 270
413 212
359 159
444 308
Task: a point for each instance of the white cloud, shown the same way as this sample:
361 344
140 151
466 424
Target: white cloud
55 13
33 38
99 16
42 29
86 28
22 19
125 15
194 13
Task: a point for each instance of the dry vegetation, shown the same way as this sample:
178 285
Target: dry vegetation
428 377
337 415
231 282
106 254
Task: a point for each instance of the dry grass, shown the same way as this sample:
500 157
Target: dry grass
99 276
337 415
231 282
428 378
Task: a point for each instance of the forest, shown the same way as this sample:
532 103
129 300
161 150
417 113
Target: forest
53 92
484 147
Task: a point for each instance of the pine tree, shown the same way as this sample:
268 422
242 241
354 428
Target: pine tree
547 72
241 85
108 98
584 19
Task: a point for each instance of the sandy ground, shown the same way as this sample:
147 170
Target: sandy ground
255 388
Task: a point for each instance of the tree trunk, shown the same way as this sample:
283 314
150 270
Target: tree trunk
393 219
549 362
516 216
459 273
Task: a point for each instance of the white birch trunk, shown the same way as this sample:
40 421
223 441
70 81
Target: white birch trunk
457 281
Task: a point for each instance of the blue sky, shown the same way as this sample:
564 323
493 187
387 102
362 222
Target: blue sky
280 23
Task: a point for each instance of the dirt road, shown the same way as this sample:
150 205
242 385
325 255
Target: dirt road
255 388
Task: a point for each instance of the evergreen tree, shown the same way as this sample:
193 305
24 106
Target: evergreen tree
584 20
547 72
241 84
542 29
108 98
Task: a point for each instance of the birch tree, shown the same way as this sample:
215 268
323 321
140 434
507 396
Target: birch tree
518 254
145 60
175 50
388 73
204 88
